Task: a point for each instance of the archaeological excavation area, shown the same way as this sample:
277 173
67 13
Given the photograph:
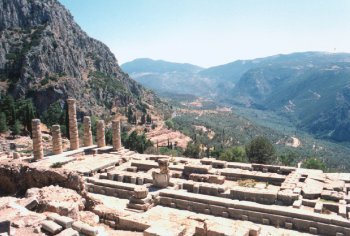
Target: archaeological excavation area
109 190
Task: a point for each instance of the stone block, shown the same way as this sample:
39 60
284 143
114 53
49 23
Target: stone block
141 207
68 232
64 221
265 221
217 210
182 204
297 204
130 224
342 211
318 207
140 181
219 164
198 207
164 230
160 180
51 227
254 230
140 192
288 225
216 179
30 203
312 189
133 179
199 169
313 230
84 228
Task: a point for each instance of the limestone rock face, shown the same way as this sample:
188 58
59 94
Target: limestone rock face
44 54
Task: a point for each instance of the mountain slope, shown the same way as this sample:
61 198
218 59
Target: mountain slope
46 56
167 77
311 88
313 92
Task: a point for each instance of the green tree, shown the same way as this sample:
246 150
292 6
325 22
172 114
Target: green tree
288 159
16 128
234 154
143 118
9 108
192 150
130 115
136 142
169 123
148 119
260 150
109 136
29 114
53 114
314 163
3 122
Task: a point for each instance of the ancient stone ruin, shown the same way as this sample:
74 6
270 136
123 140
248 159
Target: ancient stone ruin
38 151
117 144
112 188
100 134
56 139
73 126
87 132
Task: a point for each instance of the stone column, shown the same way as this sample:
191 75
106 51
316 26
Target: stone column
56 140
38 151
87 131
116 135
100 134
73 126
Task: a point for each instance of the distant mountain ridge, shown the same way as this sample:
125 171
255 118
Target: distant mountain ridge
163 76
310 87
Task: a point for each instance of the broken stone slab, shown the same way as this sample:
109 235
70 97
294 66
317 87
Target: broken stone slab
207 161
51 227
81 227
141 207
68 232
135 200
199 169
312 189
219 164
64 221
164 230
338 185
30 203
332 195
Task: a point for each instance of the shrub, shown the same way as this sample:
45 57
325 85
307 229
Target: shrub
260 150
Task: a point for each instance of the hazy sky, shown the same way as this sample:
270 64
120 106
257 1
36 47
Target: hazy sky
213 32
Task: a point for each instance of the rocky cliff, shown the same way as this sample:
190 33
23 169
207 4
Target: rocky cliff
45 55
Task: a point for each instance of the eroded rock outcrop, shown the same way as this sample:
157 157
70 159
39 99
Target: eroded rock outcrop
44 54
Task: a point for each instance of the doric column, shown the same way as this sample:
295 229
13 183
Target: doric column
73 126
100 134
117 144
56 139
38 151
87 131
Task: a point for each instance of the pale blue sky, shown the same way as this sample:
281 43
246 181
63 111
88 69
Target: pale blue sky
213 32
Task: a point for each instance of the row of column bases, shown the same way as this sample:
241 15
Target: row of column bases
74 134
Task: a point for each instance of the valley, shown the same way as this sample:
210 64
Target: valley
303 95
